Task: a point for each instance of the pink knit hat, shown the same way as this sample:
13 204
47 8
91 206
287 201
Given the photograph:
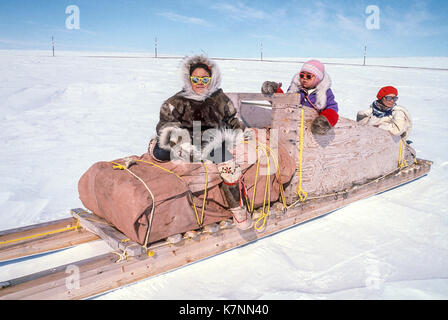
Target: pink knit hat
315 67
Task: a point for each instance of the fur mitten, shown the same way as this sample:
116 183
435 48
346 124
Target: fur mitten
185 152
169 137
320 125
270 87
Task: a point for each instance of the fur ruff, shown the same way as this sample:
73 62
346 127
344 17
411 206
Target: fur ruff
167 133
215 138
212 139
215 82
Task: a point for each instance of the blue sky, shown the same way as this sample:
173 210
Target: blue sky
230 28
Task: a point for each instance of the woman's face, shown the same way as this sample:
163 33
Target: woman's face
199 87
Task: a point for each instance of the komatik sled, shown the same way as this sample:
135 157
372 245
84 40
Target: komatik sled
158 216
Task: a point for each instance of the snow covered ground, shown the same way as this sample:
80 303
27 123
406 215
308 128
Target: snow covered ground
60 115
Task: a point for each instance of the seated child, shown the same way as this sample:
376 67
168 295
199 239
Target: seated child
313 84
384 113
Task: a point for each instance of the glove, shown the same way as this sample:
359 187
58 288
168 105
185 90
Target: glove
270 87
320 125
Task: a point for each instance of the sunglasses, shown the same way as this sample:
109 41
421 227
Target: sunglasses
389 98
307 75
204 80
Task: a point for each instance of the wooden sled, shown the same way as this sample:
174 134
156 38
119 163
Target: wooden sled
129 262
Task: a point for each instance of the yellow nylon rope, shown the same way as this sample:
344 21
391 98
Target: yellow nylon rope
199 220
205 195
401 155
267 195
119 166
75 227
256 180
278 174
302 194
267 191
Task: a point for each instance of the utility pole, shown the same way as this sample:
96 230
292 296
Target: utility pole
155 48
261 51
52 44
365 51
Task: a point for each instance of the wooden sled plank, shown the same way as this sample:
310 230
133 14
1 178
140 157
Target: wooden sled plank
101 274
114 238
253 108
41 238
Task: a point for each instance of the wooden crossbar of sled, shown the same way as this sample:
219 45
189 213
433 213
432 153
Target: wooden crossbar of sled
42 238
129 262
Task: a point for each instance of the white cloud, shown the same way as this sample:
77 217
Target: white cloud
416 21
240 11
183 19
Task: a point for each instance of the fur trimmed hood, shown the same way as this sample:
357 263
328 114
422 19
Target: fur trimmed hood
215 83
320 90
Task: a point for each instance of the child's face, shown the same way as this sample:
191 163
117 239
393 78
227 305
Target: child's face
307 79
389 100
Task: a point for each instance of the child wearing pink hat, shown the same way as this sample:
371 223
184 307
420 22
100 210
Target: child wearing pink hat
384 113
313 84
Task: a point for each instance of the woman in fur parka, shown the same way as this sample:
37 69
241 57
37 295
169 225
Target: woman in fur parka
202 107
200 102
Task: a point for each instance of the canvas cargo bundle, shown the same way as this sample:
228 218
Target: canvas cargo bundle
186 195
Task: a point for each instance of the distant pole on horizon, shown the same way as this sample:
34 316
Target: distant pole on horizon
155 48
261 51
52 44
365 52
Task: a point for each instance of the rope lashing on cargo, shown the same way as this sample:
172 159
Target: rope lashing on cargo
264 214
401 155
267 192
277 171
43 234
267 195
301 193
128 163
267 185
122 256
251 209
200 220
278 175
